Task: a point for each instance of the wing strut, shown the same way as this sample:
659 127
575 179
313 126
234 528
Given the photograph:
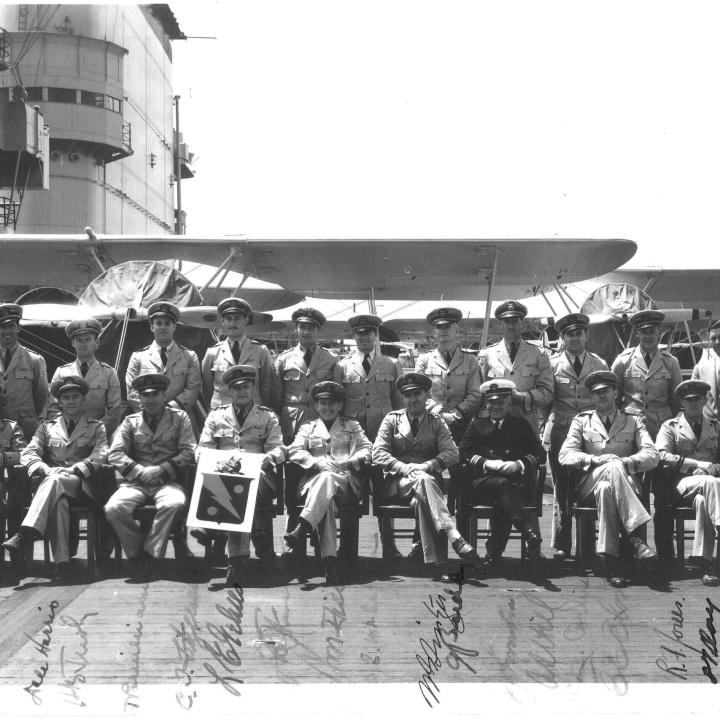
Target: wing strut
121 345
228 261
488 304
93 253
562 297
549 304
371 301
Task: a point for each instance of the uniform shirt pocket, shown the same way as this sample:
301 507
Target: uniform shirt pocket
180 369
219 366
528 370
99 385
23 374
291 374
315 442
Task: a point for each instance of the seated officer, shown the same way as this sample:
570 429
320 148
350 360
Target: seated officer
689 448
414 447
611 447
64 453
150 450
331 450
500 453
243 425
103 401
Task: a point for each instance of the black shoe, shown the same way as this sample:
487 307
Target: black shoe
16 547
202 536
613 574
390 552
62 572
235 571
297 538
332 571
142 568
642 551
464 550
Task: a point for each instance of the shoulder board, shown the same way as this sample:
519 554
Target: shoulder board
147 347
92 421
631 411
396 412
672 421
468 351
586 413
255 342
265 408
626 351
104 364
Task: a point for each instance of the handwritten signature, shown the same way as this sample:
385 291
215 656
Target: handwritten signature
186 646
76 675
430 662
43 647
128 687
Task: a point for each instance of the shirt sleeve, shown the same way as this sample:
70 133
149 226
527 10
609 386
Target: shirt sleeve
133 369
113 402
41 390
187 398
91 464
33 455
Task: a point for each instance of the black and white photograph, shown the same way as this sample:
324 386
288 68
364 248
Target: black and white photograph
360 359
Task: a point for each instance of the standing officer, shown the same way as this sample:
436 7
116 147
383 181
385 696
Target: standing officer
501 455
611 447
414 447
520 361
64 454
243 425
455 374
370 391
708 370
236 349
103 400
23 383
689 448
331 450
647 376
12 442
164 355
298 369
570 369
150 450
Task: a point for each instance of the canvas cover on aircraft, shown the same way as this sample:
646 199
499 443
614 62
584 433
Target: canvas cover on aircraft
395 268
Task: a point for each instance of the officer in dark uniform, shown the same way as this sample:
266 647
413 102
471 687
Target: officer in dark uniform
236 349
103 400
689 446
500 454
65 454
647 376
23 381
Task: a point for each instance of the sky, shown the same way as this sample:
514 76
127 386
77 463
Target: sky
455 119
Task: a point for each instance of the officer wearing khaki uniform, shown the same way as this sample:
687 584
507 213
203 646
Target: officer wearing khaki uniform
165 356
455 393
103 400
647 376
414 447
708 370
570 368
689 446
236 349
12 442
611 448
298 369
243 425
520 361
64 453
23 382
150 450
331 450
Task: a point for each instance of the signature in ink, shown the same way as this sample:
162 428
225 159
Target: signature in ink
128 687
186 646
430 662
708 654
76 675
334 615
542 633
43 647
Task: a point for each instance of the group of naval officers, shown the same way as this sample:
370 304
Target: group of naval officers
476 418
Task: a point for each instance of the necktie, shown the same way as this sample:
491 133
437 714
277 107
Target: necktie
240 415
7 358
577 365
607 423
236 352
513 351
448 357
648 359
366 363
308 356
414 426
83 369
163 356
152 423
71 426
697 429
497 425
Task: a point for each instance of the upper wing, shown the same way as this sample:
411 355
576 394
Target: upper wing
394 268
698 286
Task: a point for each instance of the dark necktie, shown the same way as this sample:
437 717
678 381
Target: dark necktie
607 423
240 415
236 352
497 425
7 358
414 426
697 429
648 359
308 356
448 357
71 426
366 363
83 369
577 365
153 423
163 356
513 351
